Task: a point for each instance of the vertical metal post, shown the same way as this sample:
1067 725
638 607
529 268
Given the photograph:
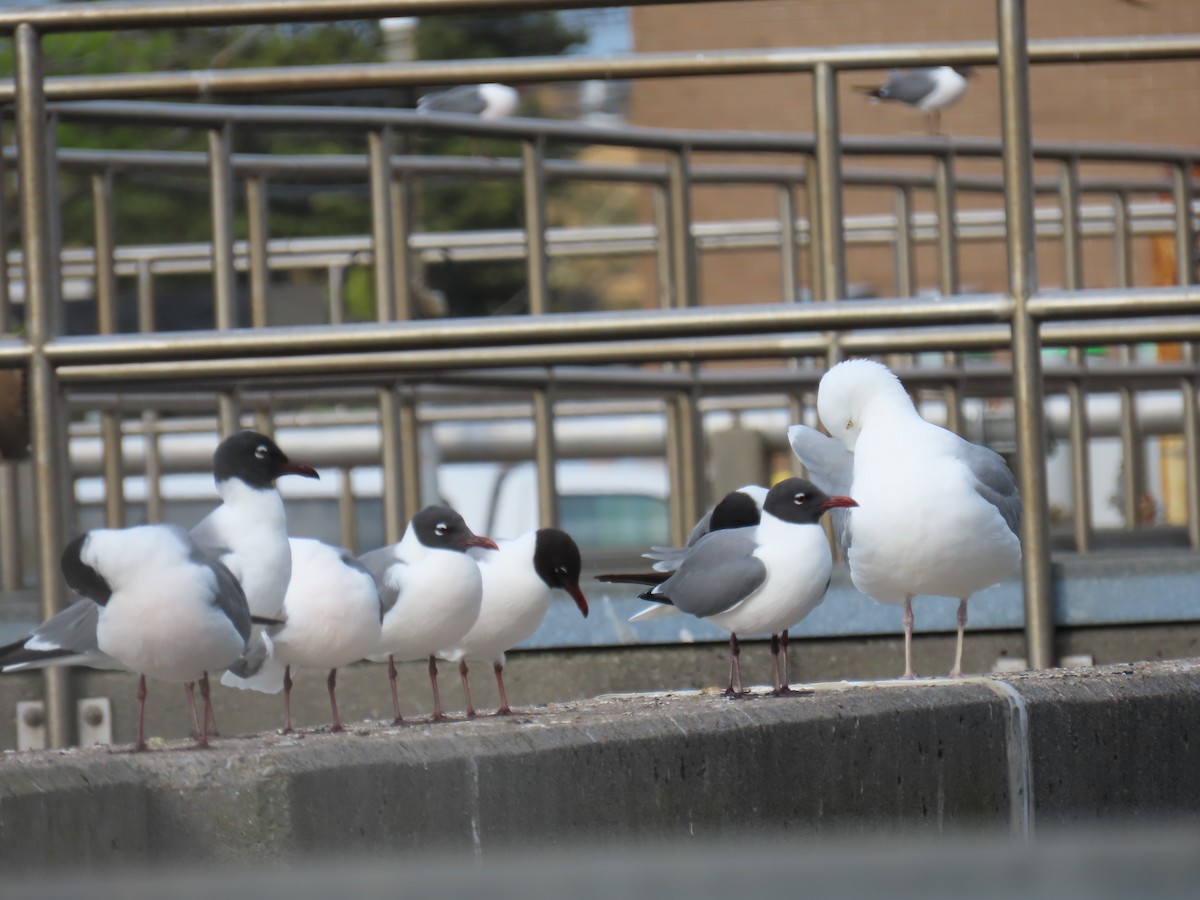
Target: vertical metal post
409 436
400 193
337 304
533 181
831 250
662 247
789 286
10 519
1185 232
1132 458
945 194
946 199
47 427
104 227
1191 455
257 235
545 458
1122 241
1072 274
1072 234
220 174
682 244
389 433
379 151
688 457
812 189
347 523
152 467
1027 360
904 260
1081 465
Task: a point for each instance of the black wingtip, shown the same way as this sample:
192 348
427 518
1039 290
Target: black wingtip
650 578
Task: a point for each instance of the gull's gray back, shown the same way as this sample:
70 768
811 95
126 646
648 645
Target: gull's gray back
994 482
377 562
720 572
908 87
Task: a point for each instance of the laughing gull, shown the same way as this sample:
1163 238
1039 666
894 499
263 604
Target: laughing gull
331 618
163 608
517 583
930 90
938 515
488 101
430 589
758 579
736 509
247 533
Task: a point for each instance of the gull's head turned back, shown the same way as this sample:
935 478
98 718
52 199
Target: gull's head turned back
849 390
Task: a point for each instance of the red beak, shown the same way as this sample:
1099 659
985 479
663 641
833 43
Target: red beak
577 596
293 467
476 540
838 501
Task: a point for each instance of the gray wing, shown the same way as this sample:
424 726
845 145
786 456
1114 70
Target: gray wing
465 99
351 562
908 87
669 558
719 573
377 562
831 468
229 598
66 639
994 482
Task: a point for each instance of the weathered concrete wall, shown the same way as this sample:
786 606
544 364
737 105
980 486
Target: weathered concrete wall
919 757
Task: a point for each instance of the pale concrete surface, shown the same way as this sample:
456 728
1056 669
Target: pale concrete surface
1107 744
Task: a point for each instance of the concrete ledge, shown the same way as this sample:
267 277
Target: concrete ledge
1057 747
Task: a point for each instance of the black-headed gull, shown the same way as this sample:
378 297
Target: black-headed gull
937 514
737 509
757 579
518 580
247 533
163 608
930 90
331 619
430 589
488 101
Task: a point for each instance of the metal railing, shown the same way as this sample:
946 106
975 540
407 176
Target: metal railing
398 360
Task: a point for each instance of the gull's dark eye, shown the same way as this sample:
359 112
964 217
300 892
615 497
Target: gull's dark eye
440 529
849 424
261 452
561 570
799 499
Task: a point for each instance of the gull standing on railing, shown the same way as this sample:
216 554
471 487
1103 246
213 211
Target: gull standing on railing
929 90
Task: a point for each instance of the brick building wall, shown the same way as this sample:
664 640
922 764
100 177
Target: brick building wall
1144 103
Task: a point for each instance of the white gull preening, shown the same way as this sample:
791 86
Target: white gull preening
162 608
937 514
518 581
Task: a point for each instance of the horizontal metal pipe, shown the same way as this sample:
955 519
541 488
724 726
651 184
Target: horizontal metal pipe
573 68
204 115
644 324
75 17
1140 303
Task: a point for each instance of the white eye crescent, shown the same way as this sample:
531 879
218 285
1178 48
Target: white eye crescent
799 499
440 529
261 452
